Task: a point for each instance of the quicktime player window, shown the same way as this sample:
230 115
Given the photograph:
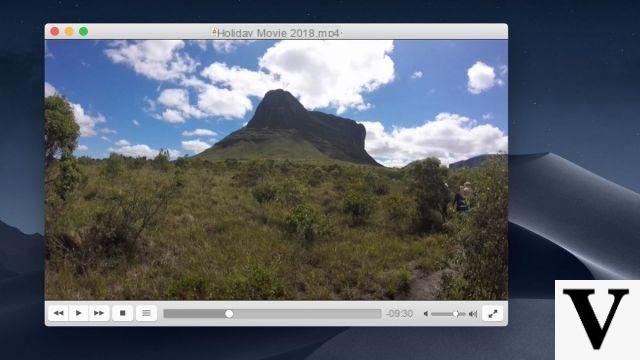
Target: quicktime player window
276 174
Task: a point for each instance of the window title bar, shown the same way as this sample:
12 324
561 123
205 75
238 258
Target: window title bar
276 31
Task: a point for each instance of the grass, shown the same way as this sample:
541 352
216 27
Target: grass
236 230
265 144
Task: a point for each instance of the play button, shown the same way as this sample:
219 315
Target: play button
78 313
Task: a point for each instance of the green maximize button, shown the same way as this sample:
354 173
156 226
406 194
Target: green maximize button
83 31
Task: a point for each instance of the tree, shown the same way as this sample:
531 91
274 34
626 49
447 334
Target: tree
162 160
61 138
70 175
60 129
431 192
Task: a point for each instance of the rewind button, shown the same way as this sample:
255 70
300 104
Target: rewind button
58 313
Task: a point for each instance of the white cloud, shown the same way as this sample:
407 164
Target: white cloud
49 90
416 75
86 122
142 150
223 102
238 79
172 116
82 148
105 138
155 59
135 122
195 146
331 73
174 97
487 116
228 46
320 73
482 77
449 137
222 46
122 142
199 132
334 74
108 131
178 107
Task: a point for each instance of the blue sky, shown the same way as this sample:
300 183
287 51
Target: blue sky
416 98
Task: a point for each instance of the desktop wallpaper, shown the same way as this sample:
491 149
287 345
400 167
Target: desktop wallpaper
574 143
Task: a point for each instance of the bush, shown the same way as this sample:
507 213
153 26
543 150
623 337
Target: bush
291 192
114 165
481 234
161 161
376 184
70 176
401 212
252 173
136 163
315 176
431 193
358 206
334 170
264 193
231 164
306 224
120 225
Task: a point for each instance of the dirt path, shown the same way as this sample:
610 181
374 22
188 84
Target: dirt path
424 285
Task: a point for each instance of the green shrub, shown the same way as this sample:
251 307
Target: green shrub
334 170
114 165
182 162
128 213
481 235
431 193
264 193
261 282
376 184
252 173
401 212
70 176
136 163
315 176
305 223
231 164
162 160
286 167
358 206
291 192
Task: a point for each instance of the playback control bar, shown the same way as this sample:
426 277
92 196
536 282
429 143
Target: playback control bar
276 313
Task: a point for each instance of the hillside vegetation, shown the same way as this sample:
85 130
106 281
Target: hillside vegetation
256 144
272 229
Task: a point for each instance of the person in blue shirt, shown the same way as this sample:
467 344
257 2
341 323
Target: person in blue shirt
460 202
